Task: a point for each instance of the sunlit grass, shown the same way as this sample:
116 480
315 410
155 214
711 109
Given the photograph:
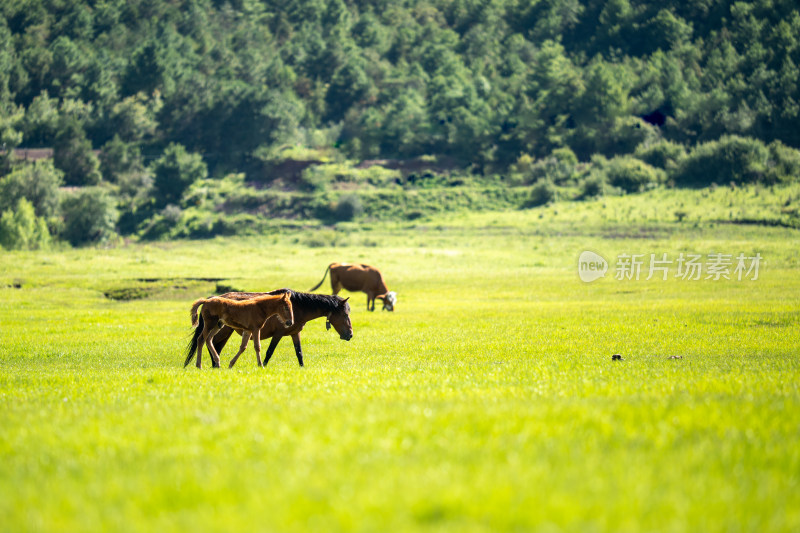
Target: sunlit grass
488 401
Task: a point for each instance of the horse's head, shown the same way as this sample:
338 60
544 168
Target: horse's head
389 299
340 319
285 312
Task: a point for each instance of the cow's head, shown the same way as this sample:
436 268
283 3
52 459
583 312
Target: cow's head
389 299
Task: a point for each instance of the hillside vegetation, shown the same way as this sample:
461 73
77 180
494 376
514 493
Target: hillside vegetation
193 118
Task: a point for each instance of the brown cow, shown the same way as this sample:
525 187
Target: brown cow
362 278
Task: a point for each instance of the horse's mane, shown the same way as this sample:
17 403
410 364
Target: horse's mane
325 302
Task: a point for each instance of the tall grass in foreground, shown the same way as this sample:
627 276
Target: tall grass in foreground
488 401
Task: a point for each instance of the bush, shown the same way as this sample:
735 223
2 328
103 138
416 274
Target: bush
347 208
21 229
542 193
560 167
316 178
665 155
631 174
90 216
593 185
731 159
784 163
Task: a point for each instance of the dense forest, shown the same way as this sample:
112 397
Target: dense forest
155 108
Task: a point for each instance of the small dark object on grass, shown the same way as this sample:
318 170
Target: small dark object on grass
616 357
676 357
222 288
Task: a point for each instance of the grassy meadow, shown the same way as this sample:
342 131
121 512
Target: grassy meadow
487 402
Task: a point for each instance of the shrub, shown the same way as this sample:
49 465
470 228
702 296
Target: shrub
593 185
560 167
631 174
731 159
523 166
784 163
348 207
665 155
542 193
90 215
316 178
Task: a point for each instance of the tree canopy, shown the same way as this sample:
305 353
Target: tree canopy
483 82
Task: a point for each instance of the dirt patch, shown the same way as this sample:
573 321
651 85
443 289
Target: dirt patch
141 288
128 293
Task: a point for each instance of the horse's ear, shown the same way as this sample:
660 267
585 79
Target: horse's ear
346 299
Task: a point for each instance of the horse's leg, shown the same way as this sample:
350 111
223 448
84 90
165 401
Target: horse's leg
370 300
257 346
245 340
272 345
200 343
297 349
210 345
220 339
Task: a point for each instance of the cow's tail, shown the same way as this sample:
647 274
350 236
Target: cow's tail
315 287
191 350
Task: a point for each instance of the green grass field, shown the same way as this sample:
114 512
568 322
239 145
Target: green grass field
487 402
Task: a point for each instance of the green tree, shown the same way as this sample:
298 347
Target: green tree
72 154
37 183
348 86
21 229
145 72
174 172
118 158
41 120
90 216
134 118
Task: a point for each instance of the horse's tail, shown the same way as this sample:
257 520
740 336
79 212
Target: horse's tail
197 303
315 287
192 348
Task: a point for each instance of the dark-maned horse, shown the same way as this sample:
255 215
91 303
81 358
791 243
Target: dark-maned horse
305 306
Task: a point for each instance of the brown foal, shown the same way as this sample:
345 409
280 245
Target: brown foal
245 316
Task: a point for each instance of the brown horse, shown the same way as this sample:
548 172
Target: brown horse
358 277
306 307
247 316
